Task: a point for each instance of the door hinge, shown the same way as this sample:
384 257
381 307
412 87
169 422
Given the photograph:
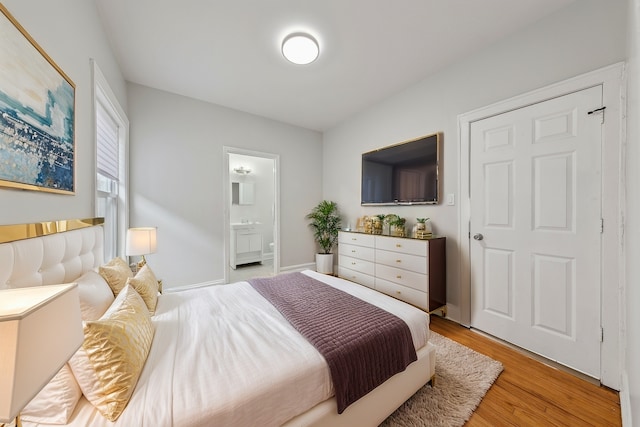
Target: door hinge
601 334
598 111
601 225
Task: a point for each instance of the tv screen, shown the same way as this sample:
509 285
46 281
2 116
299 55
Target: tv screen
402 174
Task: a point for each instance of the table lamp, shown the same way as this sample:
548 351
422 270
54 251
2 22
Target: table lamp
141 241
41 328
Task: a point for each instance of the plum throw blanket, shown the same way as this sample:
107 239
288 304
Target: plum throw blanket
363 345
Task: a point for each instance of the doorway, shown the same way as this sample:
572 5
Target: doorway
251 186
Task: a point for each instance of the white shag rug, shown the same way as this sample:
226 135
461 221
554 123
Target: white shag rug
463 377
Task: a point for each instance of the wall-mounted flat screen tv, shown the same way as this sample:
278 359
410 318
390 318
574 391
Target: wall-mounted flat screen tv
402 174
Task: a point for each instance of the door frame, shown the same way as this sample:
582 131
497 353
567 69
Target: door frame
613 82
226 191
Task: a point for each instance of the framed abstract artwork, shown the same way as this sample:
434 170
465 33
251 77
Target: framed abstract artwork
37 115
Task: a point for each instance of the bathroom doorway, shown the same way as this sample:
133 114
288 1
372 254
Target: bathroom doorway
251 188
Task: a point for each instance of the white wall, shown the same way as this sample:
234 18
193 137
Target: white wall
70 32
632 244
177 172
583 37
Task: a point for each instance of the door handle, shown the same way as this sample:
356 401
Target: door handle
478 236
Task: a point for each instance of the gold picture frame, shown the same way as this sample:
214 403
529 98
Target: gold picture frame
37 115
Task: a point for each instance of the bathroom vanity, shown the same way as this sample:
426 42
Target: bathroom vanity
246 244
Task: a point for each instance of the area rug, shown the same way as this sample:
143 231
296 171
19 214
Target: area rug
463 377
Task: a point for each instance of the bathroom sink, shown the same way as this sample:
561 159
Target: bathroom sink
239 225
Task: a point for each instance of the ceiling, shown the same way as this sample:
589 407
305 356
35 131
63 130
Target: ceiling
227 52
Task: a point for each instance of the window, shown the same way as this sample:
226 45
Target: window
112 132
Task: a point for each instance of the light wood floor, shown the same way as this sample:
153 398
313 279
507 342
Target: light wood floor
530 393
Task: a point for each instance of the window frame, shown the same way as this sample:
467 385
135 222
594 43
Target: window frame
102 94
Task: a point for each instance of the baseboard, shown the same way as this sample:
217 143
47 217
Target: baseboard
299 267
625 402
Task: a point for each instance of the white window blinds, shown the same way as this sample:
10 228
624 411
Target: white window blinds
107 143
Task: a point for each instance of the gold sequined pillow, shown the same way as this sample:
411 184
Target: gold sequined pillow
115 348
146 284
116 272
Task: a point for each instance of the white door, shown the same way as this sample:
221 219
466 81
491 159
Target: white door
535 180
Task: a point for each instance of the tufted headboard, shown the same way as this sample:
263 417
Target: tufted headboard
53 256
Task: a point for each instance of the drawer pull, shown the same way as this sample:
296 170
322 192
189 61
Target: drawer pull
353 263
354 239
398 277
398 292
398 261
398 245
353 251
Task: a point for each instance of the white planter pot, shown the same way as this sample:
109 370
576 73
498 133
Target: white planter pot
324 263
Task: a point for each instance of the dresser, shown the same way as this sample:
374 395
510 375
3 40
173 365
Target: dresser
412 270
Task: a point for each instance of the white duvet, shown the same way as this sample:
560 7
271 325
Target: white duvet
224 356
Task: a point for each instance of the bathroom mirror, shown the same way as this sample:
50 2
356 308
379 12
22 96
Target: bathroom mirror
242 193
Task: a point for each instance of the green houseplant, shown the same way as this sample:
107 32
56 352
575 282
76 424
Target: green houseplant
398 225
325 222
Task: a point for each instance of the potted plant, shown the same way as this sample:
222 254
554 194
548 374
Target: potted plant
389 221
398 226
422 229
325 222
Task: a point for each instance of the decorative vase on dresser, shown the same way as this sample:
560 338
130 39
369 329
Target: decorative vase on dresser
412 270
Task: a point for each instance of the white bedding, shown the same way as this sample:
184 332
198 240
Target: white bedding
224 356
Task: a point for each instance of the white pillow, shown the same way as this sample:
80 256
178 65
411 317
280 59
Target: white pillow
95 295
56 401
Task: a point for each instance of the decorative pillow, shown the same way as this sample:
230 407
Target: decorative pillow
95 295
116 272
113 353
55 403
146 284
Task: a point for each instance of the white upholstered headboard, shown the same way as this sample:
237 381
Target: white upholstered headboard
51 259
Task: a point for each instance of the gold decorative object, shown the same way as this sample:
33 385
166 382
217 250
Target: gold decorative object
368 225
10 233
398 231
422 234
377 225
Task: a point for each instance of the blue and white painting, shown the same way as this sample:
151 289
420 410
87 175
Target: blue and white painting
36 115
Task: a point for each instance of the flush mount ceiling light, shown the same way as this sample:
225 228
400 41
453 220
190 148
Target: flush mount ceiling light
300 48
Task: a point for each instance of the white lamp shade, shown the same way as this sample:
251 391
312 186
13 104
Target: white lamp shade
40 329
141 241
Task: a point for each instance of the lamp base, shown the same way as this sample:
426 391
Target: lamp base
141 263
135 267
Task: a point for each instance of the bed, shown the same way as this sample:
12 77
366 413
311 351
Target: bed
220 355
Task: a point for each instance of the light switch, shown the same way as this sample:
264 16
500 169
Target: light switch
451 199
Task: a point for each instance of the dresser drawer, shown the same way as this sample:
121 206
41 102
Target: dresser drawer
412 296
356 276
408 246
356 239
366 267
407 278
414 263
361 252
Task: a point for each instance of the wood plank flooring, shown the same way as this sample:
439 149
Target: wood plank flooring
531 393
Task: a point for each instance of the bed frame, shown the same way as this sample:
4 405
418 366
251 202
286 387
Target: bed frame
61 251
